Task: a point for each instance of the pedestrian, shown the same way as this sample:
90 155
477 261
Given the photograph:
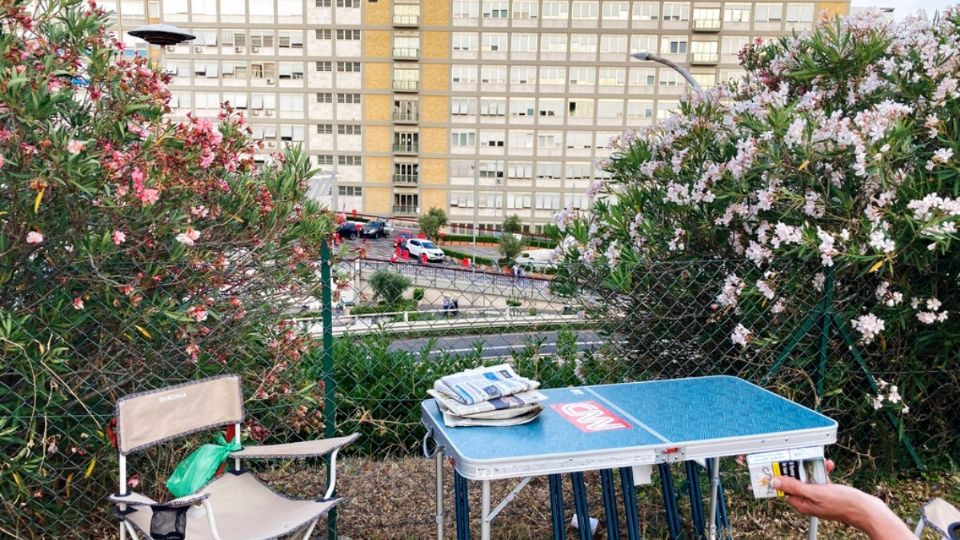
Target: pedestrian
454 307
446 306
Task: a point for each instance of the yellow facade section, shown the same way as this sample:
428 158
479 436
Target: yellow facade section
833 9
435 76
377 13
436 12
433 198
377 139
433 171
377 76
377 169
435 108
376 44
436 45
434 140
378 200
377 107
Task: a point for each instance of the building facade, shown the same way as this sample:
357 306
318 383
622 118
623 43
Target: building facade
485 108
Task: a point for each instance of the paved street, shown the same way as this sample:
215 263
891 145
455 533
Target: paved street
382 248
496 345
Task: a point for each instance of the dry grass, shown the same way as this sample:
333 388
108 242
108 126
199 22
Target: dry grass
394 499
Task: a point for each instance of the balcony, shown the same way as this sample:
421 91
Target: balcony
406 53
399 178
406 148
404 209
406 20
704 59
706 25
406 86
406 117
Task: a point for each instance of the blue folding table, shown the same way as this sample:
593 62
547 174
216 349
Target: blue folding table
617 427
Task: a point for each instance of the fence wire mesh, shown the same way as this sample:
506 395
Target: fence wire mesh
398 325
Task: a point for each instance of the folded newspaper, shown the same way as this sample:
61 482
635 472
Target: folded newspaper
493 396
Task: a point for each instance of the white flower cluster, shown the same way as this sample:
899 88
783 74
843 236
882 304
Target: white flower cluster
870 326
891 396
730 294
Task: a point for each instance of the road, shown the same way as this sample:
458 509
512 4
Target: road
496 345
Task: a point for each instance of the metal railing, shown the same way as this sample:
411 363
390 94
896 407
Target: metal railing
706 25
406 53
404 209
400 178
406 116
406 86
406 148
704 59
406 20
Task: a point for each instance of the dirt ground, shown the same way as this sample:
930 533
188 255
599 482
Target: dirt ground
394 499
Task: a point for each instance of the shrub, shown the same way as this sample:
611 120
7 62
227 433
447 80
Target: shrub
418 294
432 222
835 154
512 224
389 286
510 247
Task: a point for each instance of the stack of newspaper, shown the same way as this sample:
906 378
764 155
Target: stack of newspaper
489 396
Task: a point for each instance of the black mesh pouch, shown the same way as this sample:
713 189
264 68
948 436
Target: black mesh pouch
168 522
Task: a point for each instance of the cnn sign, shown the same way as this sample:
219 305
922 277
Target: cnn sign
590 416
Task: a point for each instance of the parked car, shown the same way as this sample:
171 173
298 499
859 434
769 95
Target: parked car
400 239
537 259
348 230
375 229
420 247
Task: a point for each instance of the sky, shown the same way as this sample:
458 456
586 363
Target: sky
908 7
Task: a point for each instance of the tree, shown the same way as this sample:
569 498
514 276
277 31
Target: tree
432 222
135 252
512 225
510 247
835 155
389 286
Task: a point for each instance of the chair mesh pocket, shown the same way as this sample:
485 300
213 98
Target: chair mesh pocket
168 523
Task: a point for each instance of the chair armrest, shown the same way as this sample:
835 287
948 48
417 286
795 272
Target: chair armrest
302 449
133 499
187 500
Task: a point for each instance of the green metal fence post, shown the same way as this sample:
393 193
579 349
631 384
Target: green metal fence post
825 333
329 401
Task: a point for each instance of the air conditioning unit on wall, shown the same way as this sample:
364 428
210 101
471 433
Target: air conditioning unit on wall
198 50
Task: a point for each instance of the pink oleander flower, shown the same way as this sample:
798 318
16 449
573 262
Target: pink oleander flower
198 313
189 236
148 196
78 303
206 159
33 237
119 237
1 160
870 326
75 147
193 351
741 335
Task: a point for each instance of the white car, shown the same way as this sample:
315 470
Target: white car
538 259
418 247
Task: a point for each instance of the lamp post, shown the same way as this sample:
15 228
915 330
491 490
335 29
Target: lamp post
670 64
161 34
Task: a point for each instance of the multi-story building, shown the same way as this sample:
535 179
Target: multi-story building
485 108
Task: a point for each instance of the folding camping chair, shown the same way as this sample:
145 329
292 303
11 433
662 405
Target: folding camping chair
940 516
234 505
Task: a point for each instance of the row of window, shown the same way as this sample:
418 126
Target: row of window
342 129
589 44
468 169
234 8
641 12
529 139
557 108
524 78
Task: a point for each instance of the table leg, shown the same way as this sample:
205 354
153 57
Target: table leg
556 507
713 465
610 503
439 458
696 499
580 504
819 477
462 506
670 501
485 510
630 503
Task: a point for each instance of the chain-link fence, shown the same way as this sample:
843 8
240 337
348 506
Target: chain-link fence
397 326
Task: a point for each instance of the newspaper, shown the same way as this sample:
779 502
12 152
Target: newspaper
521 400
484 384
453 421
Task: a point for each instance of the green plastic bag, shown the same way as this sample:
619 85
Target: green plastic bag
199 467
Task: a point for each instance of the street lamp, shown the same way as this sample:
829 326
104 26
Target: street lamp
670 64
161 34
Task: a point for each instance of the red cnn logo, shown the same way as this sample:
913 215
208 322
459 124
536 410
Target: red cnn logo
590 416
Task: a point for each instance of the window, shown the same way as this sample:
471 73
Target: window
493 74
521 107
463 138
732 45
349 160
553 43
324 159
493 107
615 11
674 45
324 129
616 44
291 133
583 76
324 33
523 75
496 9
706 80
524 43
348 98
799 13
525 10
642 77
552 9
288 8
348 3
349 191
492 139
669 78
520 170
583 43
584 11
324 65
736 13
324 3
768 13
646 11
261 38
466 9
350 35
463 106
234 70
494 42
706 14
610 109
348 129
463 74
643 44
521 139
613 77
290 39
348 67
324 97
290 70
548 171
464 41
551 108
291 102
552 75
676 11
580 108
